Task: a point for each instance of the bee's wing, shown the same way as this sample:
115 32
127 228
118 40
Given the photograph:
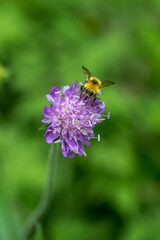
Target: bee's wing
107 83
86 72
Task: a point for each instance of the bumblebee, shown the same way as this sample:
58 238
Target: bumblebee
92 85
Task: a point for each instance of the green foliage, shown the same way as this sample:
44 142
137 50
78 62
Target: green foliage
113 193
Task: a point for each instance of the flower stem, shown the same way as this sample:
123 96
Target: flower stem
46 197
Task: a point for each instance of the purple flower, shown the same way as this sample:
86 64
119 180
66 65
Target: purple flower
71 120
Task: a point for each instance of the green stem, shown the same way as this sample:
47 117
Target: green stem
46 196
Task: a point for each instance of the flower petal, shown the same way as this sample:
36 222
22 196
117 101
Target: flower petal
47 111
50 98
72 90
53 91
50 136
71 154
81 150
65 88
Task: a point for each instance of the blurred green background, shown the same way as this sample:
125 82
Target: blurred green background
114 192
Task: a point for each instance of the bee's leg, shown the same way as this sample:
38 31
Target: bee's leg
90 95
88 99
85 98
86 92
93 99
82 90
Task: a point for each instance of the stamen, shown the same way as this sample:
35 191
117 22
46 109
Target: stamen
74 151
84 154
67 100
90 123
58 92
95 114
73 121
80 104
75 96
58 141
50 130
69 106
50 98
92 116
107 116
103 105
99 138
99 119
97 106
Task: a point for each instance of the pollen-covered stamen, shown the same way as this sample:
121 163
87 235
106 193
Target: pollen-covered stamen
74 150
48 121
95 115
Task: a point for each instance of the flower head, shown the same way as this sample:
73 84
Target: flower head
71 120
